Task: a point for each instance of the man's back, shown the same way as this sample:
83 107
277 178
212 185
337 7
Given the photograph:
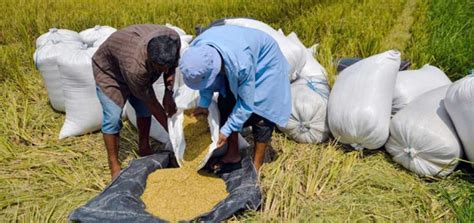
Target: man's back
128 46
248 51
120 64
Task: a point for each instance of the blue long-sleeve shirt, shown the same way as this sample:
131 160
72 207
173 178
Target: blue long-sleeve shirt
257 73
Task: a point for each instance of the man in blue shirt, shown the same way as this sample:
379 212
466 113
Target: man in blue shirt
248 70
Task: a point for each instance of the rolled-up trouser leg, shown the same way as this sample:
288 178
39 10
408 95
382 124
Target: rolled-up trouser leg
111 125
112 114
262 128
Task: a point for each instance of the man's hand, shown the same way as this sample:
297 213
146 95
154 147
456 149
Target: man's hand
221 141
200 111
169 104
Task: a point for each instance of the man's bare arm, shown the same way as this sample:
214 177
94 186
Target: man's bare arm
157 111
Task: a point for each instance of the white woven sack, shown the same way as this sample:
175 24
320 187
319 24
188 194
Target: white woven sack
83 109
185 39
308 119
302 57
182 34
361 100
180 31
178 142
312 67
423 138
459 103
46 61
58 35
294 53
100 41
413 83
90 36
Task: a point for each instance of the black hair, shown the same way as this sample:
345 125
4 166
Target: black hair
164 50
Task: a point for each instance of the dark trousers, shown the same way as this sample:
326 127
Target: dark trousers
262 128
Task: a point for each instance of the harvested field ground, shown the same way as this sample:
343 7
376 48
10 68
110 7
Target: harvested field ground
42 178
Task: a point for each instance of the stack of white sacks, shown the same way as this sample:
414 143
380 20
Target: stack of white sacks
63 58
421 118
430 113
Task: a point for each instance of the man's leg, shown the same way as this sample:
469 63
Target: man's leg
112 146
111 125
259 154
143 125
262 133
232 155
225 104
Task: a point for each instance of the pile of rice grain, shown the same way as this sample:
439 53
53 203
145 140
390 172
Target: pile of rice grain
183 193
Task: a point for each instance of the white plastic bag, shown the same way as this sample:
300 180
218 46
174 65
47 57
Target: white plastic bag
294 53
308 119
361 100
413 83
180 31
176 133
100 41
312 67
301 63
459 103
46 61
422 137
90 36
58 35
182 34
83 109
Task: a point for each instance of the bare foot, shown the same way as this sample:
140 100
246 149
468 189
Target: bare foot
145 152
226 160
231 159
257 165
115 172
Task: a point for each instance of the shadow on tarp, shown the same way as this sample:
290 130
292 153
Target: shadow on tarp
120 200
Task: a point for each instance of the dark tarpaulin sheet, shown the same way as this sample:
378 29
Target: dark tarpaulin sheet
120 200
